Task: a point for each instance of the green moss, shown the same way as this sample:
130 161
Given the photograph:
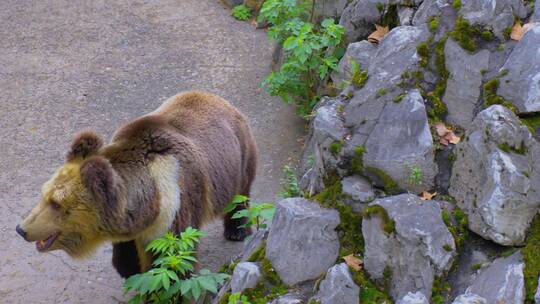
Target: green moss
359 78
337 146
389 226
507 32
369 292
350 236
503 73
491 97
340 109
476 266
456 223
456 4
225 298
501 47
258 255
433 23
522 149
381 92
447 247
269 287
464 33
423 51
440 287
382 178
399 98
532 259
532 122
357 162
229 268
437 109
350 226
487 35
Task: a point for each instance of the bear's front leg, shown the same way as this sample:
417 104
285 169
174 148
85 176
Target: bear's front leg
125 259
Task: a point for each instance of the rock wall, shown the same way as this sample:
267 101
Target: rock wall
424 172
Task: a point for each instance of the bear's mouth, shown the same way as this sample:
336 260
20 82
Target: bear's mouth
45 244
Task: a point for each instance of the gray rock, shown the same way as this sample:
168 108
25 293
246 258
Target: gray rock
536 15
290 298
254 243
401 142
329 8
497 187
469 298
395 55
360 52
302 243
494 14
245 275
463 85
413 298
325 129
338 287
358 18
405 15
420 248
357 190
521 85
429 9
502 281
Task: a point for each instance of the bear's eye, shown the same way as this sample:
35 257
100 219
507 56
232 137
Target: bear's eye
56 206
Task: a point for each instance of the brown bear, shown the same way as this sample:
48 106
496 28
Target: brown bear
176 167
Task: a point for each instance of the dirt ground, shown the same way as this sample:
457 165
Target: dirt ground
67 65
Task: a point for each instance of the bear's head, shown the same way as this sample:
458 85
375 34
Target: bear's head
76 202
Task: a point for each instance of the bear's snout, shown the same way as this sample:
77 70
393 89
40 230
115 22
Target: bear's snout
21 232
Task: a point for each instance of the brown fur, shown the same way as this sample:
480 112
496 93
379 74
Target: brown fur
196 138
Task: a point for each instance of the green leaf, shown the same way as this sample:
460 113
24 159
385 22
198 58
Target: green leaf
185 286
208 283
165 280
196 290
230 207
240 199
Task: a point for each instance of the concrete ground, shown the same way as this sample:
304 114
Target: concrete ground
68 65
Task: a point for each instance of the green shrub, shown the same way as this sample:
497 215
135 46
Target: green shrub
290 184
172 275
241 12
310 52
257 214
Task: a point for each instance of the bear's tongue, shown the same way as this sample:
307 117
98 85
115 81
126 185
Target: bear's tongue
46 243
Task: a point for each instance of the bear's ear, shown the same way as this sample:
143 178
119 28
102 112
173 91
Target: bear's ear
84 144
99 178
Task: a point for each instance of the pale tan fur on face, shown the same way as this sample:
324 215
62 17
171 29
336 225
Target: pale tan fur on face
76 220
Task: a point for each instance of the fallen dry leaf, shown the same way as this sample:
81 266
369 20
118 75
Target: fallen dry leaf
452 138
446 136
441 129
518 31
426 196
354 262
378 35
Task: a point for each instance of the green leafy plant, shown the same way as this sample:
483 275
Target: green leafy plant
310 52
290 184
241 12
172 279
238 298
257 214
415 175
